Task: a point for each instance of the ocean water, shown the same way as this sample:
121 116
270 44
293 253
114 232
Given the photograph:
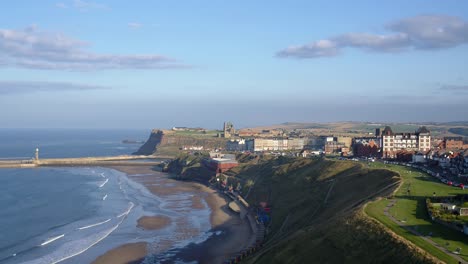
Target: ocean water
52 143
75 214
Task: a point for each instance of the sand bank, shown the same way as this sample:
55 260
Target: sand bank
123 254
235 233
153 222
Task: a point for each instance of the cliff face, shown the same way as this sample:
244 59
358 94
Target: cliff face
150 146
162 140
190 168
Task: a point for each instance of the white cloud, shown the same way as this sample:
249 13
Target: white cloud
20 87
82 5
31 48
433 32
135 25
420 32
61 5
321 48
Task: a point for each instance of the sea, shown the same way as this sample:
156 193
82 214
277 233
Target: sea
73 214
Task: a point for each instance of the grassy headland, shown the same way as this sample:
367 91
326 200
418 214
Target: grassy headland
316 210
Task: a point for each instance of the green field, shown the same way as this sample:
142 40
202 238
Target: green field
459 131
411 209
196 133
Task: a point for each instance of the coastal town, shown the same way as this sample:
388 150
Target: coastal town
227 132
446 156
431 168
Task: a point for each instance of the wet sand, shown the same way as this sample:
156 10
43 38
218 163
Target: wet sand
235 234
153 222
123 254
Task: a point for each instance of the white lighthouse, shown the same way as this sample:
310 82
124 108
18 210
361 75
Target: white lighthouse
37 154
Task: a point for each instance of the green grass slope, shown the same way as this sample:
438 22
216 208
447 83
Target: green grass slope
317 215
412 210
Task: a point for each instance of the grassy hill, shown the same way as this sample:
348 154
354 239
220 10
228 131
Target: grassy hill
317 215
321 212
412 210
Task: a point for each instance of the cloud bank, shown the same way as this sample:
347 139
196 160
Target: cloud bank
426 32
22 87
450 87
81 5
35 49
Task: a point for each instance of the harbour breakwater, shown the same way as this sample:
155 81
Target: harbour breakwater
133 160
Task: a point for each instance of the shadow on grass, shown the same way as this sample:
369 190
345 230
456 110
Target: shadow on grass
435 231
428 179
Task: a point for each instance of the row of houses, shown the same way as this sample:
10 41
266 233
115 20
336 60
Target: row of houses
385 144
454 162
265 144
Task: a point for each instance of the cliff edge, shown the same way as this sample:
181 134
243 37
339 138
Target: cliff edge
170 142
151 145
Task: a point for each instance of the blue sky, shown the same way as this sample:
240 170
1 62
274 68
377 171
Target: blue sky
115 64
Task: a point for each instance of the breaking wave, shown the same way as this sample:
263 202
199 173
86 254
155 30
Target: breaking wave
52 240
104 183
93 225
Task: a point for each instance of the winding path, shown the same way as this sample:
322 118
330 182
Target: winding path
427 239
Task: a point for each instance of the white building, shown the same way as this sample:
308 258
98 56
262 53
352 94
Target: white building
268 144
391 142
236 145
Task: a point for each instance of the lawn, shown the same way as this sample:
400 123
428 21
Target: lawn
196 133
411 209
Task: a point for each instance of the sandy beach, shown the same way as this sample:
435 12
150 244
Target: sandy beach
234 233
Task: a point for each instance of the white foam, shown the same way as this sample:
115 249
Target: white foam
104 183
128 210
52 240
137 175
92 244
93 225
104 198
55 257
102 175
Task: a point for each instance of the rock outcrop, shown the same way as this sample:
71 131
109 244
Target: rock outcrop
150 146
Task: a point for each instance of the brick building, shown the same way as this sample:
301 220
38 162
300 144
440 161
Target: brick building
453 143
